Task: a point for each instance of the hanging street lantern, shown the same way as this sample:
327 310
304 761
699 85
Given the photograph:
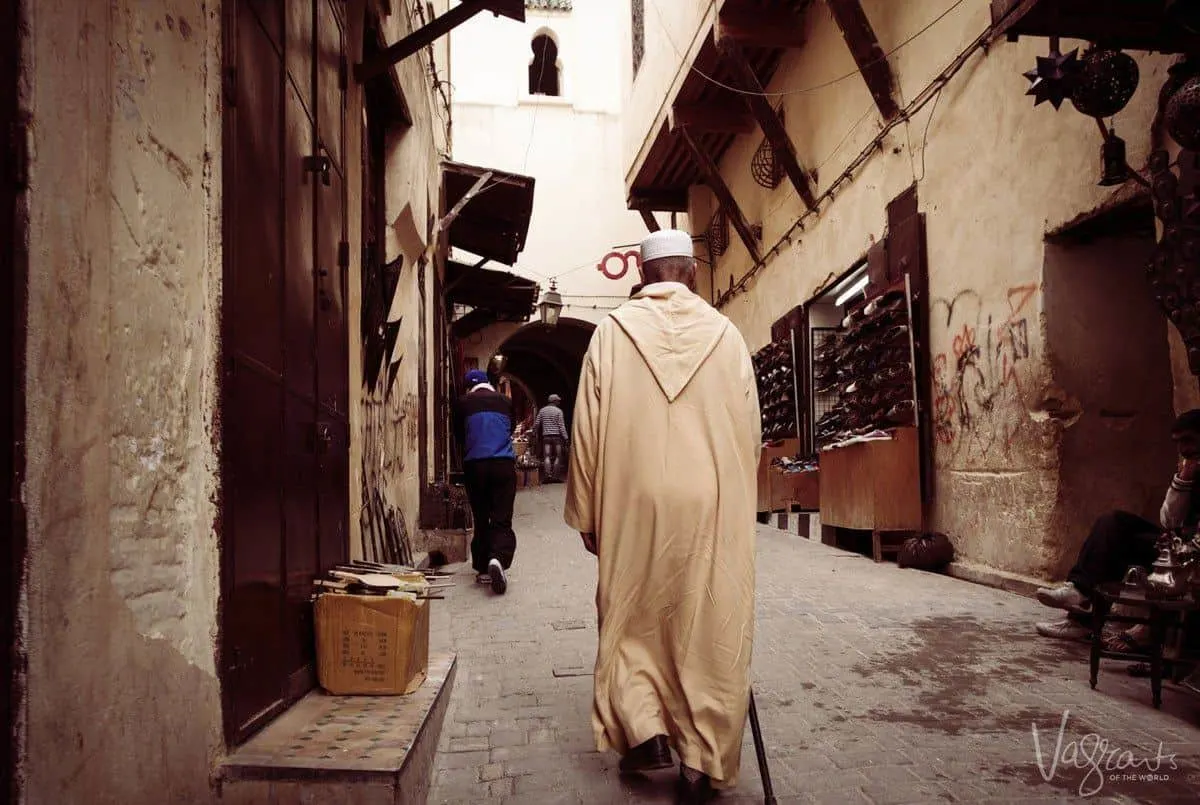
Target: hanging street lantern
550 306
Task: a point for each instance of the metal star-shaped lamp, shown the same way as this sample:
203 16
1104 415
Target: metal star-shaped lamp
1054 77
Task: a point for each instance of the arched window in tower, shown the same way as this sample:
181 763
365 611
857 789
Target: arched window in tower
543 70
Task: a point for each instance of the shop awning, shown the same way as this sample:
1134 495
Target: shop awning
1119 24
507 296
494 220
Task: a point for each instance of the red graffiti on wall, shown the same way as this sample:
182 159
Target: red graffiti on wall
624 257
977 385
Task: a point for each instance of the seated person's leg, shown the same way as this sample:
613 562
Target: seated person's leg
1116 541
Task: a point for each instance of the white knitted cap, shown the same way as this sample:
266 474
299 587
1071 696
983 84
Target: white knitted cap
666 243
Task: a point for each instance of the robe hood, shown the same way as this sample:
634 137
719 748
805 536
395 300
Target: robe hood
674 331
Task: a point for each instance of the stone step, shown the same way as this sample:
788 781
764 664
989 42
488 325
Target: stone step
345 750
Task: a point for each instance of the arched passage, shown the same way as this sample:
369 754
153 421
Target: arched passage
547 360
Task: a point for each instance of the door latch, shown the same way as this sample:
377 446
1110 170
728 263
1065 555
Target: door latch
318 164
322 437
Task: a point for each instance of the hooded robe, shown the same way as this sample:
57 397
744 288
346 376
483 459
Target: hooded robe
667 437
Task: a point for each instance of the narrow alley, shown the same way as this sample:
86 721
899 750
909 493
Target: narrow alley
874 685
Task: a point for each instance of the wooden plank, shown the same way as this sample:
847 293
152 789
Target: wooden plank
868 55
658 200
712 177
432 31
761 27
649 219
768 120
720 116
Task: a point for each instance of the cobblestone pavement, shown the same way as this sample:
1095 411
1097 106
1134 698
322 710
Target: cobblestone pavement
874 685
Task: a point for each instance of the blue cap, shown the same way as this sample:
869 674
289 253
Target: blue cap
475 377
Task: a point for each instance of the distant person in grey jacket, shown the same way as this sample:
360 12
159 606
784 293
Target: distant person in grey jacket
550 429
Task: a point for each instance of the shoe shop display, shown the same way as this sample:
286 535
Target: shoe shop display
869 366
776 390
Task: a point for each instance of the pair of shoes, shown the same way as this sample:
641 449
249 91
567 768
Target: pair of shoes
693 787
1066 596
497 577
652 755
1064 630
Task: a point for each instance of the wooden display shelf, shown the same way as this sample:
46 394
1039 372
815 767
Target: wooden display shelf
874 486
772 492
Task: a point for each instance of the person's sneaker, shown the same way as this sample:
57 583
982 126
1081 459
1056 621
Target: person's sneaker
1064 630
1065 596
496 574
483 578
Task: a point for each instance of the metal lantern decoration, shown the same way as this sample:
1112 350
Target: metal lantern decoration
1112 154
718 232
1183 115
1054 77
551 306
1105 82
1174 271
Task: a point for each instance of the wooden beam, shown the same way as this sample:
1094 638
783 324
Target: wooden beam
725 117
768 119
760 27
649 219
868 55
712 177
433 30
664 200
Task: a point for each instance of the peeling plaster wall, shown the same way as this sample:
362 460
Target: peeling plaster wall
122 701
995 175
384 421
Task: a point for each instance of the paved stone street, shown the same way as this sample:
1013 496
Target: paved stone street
874 685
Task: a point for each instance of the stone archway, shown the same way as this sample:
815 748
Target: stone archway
547 360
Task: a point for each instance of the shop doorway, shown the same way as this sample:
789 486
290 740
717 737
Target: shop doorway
285 394
1108 344
12 398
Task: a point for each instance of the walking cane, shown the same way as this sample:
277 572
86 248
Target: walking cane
760 750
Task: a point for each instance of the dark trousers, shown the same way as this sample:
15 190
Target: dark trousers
553 457
491 489
1117 541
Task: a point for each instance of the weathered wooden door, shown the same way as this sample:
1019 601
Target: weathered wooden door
12 403
284 414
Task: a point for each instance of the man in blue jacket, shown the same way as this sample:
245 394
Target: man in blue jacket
483 422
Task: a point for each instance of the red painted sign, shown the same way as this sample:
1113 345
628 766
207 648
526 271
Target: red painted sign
624 258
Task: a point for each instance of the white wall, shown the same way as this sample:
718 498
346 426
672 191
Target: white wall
570 144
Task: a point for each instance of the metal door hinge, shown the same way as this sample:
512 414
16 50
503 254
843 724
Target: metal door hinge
229 86
318 164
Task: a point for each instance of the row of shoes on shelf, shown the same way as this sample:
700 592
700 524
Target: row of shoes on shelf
869 368
776 390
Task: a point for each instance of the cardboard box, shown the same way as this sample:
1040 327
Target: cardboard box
369 644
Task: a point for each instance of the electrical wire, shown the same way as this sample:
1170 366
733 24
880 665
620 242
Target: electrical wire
926 95
816 87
